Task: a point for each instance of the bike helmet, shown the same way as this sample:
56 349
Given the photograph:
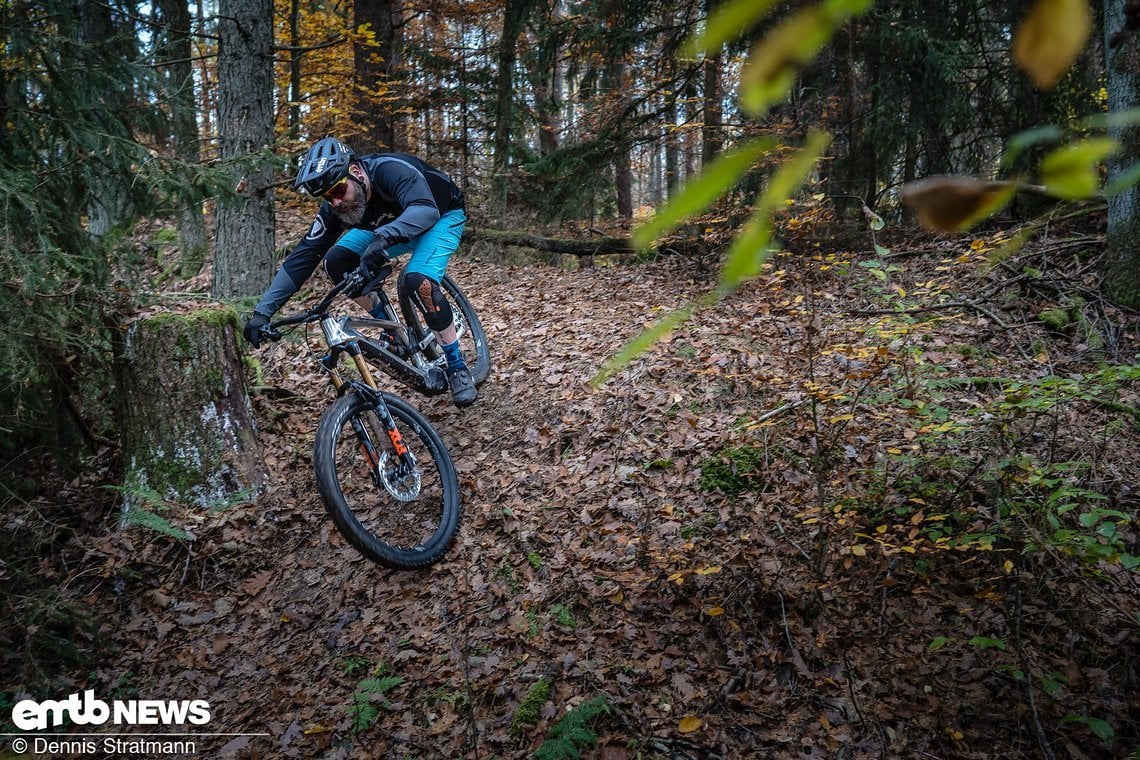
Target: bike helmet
323 166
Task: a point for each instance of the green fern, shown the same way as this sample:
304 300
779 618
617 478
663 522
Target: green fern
159 524
364 711
575 732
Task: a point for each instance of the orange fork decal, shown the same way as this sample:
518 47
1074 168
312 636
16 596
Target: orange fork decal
397 442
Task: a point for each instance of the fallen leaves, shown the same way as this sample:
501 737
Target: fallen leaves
704 619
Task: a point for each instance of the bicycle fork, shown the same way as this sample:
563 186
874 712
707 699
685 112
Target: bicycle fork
340 343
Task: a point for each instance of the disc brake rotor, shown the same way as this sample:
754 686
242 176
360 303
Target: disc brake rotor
399 480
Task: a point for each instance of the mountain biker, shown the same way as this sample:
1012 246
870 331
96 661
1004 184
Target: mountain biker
377 206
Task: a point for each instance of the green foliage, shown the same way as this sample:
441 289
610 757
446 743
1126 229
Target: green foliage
564 614
986 642
1038 501
733 470
1102 729
75 169
529 710
575 733
364 710
353 664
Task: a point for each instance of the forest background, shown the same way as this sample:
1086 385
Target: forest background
146 158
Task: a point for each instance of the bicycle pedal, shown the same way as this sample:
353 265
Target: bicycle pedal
436 379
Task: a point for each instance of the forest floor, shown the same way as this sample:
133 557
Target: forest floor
779 533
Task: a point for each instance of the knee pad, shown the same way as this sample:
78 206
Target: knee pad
428 298
340 261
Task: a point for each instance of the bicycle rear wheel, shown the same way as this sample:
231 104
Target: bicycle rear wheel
401 510
472 339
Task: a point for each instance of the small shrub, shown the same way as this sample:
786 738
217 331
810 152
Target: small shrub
575 732
733 470
364 710
529 709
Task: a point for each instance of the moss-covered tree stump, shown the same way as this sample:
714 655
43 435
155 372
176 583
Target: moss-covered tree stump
186 419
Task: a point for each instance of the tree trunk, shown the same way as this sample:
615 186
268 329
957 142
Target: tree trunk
712 137
514 20
243 253
373 67
1122 262
175 56
107 199
187 423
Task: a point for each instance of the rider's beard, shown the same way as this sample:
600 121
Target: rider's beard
351 214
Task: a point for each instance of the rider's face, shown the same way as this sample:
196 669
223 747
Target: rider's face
349 207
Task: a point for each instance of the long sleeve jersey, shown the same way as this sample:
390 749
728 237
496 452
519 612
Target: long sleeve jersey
408 197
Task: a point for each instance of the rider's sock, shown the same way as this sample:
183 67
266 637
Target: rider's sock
454 356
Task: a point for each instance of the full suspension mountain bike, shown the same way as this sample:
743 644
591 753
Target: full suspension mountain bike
382 470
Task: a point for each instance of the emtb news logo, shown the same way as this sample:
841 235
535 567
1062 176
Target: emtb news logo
30 715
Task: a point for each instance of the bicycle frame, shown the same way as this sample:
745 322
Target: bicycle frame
342 338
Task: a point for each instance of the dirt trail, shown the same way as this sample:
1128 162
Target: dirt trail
588 556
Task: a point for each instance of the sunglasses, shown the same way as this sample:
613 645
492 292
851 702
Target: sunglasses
337 191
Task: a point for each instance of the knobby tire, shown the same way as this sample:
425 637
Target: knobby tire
403 535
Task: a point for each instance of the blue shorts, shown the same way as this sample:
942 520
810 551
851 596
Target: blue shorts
431 249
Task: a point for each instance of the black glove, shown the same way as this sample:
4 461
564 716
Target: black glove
253 329
374 258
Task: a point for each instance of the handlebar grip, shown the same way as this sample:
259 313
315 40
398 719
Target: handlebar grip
376 280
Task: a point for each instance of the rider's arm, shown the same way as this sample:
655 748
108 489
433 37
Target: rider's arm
403 182
301 262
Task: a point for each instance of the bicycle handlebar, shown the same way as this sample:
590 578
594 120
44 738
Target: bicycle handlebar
272 331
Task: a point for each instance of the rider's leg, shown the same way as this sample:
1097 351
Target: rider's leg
431 253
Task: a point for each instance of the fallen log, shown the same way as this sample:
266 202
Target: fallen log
601 244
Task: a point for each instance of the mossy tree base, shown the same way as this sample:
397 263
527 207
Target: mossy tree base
186 418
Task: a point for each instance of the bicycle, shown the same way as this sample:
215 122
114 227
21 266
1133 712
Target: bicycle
362 449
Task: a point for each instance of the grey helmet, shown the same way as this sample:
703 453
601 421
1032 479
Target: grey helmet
324 165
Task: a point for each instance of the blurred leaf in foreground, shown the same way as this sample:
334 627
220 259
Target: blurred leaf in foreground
778 58
955 203
1051 38
750 249
727 22
1073 171
703 191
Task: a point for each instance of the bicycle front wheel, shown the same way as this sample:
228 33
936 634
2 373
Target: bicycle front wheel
393 495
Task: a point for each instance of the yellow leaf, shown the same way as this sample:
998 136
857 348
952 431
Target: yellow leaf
677 577
708 570
1008 567
689 724
1051 38
714 611
859 550
841 418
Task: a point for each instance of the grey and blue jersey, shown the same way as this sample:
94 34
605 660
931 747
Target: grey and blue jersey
408 198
